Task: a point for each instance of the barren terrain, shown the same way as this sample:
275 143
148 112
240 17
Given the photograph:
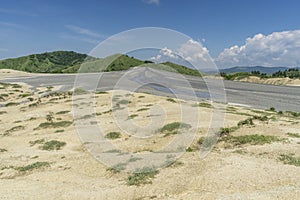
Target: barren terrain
42 156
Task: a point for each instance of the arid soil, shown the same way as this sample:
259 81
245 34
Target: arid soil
42 156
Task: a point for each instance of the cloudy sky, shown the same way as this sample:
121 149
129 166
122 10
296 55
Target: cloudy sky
231 32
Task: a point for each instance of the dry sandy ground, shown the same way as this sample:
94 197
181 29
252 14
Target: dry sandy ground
273 81
30 169
8 73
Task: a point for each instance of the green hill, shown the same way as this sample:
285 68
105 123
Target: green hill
53 62
72 62
182 69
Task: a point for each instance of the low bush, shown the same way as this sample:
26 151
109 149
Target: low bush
290 160
295 135
251 139
142 176
53 145
113 135
54 124
33 166
174 128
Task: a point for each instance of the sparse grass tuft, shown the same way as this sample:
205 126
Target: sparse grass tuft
142 176
11 104
25 95
62 112
40 141
251 139
173 128
13 129
101 92
59 131
117 168
33 166
261 118
203 104
171 100
132 116
80 91
2 150
295 135
113 135
2 112
54 124
290 160
142 109
53 145
248 122
124 101
207 142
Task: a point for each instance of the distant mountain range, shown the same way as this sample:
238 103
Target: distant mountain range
267 70
72 62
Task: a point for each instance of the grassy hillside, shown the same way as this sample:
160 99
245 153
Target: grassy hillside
53 62
72 62
181 69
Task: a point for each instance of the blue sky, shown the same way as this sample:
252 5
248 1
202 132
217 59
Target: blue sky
32 26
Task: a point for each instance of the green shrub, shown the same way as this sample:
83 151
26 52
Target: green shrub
11 104
33 166
124 102
203 104
261 118
80 91
24 95
248 122
53 145
142 176
295 135
132 116
101 92
173 128
2 150
62 112
13 129
227 130
117 168
251 139
59 131
2 112
40 141
272 109
290 160
54 124
142 109
113 135
171 100
207 142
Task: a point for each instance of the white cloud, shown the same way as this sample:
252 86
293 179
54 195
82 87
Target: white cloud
191 51
83 31
156 2
276 49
